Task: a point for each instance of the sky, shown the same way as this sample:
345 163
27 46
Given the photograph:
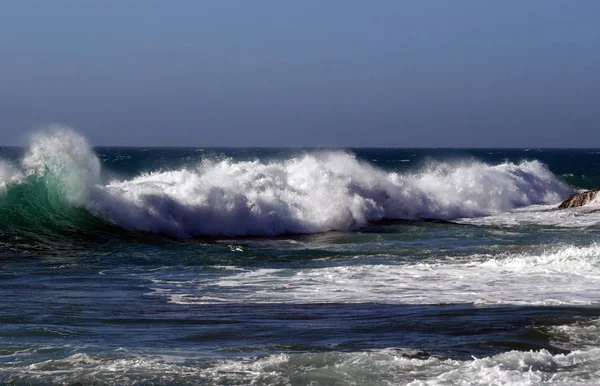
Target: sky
347 73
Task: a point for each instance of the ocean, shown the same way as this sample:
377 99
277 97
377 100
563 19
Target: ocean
265 266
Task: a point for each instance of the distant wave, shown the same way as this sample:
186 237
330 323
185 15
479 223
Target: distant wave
60 176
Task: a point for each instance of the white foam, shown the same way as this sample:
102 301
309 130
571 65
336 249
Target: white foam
384 366
582 334
67 156
82 368
391 366
548 215
561 275
9 174
315 192
594 203
374 367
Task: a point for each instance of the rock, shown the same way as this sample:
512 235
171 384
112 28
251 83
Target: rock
580 199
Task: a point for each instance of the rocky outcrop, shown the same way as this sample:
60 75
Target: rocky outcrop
580 199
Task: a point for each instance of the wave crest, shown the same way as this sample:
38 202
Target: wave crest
63 153
315 192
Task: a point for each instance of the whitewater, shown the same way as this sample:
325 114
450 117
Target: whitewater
296 266
310 193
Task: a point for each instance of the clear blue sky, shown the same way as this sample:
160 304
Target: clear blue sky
514 73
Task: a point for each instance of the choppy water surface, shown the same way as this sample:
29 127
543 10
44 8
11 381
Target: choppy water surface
296 266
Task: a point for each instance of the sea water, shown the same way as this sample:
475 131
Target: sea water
296 266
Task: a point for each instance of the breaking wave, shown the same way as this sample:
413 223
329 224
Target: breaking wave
59 183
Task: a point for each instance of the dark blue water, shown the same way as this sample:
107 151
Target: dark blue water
296 266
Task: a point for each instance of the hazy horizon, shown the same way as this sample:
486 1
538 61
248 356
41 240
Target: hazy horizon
413 74
524 148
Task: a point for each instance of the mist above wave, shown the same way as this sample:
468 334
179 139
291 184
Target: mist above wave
315 192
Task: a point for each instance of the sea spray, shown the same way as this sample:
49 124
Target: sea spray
315 192
88 302
66 155
43 200
9 174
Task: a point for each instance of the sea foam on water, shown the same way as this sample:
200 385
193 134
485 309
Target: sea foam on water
561 275
313 192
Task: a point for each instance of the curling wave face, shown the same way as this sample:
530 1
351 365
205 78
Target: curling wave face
315 192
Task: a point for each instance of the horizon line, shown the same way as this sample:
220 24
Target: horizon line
326 147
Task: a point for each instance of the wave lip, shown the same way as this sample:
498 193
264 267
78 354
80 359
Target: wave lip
68 157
